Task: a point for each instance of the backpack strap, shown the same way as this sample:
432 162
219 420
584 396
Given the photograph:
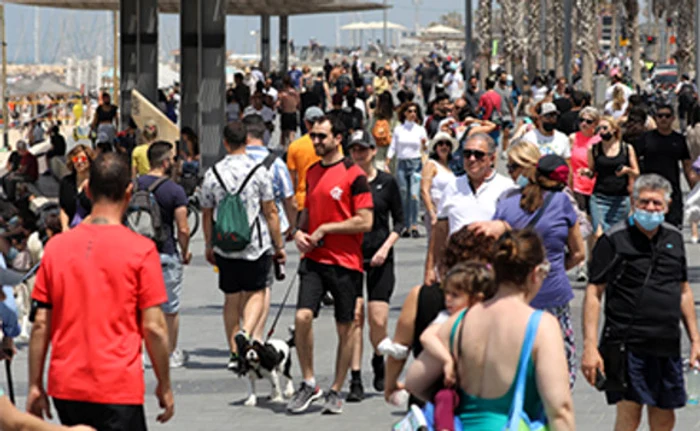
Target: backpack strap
269 160
248 178
156 184
218 177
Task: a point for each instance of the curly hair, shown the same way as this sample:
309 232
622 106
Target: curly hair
80 148
465 245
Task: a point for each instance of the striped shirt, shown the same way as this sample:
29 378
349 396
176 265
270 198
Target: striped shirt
281 181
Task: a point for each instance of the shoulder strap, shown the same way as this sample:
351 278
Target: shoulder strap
457 325
156 184
248 178
525 355
596 150
218 177
269 160
540 212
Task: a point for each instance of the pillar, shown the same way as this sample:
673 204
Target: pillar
189 64
284 44
265 42
129 54
147 80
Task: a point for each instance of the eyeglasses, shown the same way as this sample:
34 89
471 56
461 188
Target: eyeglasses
664 115
646 202
512 167
79 159
318 136
478 155
602 129
411 111
544 268
587 120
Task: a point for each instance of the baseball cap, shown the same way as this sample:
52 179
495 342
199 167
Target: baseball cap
362 139
548 108
553 167
312 114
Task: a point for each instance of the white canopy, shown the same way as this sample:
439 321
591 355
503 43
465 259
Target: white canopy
374 25
441 29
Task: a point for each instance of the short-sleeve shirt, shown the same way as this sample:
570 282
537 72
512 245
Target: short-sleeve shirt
98 279
281 181
139 160
233 170
621 259
490 101
267 114
334 194
300 157
558 143
170 196
460 205
559 216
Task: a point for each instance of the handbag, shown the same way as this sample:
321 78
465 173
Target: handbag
518 419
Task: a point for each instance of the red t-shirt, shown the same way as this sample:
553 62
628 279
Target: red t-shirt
490 101
334 194
98 278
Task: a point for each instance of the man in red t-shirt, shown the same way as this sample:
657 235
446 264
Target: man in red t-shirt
338 210
97 298
490 101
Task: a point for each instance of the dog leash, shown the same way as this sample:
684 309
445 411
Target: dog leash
284 302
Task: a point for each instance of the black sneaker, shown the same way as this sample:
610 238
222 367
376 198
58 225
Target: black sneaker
378 368
303 398
405 234
415 233
357 392
333 405
242 343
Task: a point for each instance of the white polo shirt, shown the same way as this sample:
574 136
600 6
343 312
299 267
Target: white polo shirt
460 205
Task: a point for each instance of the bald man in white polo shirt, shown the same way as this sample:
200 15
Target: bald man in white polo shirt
469 198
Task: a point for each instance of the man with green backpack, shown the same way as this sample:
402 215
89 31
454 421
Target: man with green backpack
242 234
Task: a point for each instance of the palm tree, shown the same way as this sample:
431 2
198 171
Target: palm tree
509 23
685 42
533 35
632 24
484 36
588 16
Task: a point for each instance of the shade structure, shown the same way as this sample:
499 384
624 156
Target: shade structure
373 25
442 29
40 85
355 26
233 7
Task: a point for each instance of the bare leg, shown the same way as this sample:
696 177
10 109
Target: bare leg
422 373
259 331
232 306
344 354
173 323
694 229
356 335
304 340
378 321
629 415
252 309
661 419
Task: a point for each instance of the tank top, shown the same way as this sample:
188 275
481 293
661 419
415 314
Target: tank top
431 301
441 179
579 160
607 183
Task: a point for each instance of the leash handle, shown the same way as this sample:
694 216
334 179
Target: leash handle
284 302
10 385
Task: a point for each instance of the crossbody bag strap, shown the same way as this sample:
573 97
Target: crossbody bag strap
540 212
526 353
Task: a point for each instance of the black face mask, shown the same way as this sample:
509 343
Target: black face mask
606 136
549 127
503 82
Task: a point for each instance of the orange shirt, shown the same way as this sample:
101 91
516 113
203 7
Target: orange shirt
98 279
300 156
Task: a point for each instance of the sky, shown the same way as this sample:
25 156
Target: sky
83 34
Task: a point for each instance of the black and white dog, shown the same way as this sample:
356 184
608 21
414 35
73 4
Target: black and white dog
270 360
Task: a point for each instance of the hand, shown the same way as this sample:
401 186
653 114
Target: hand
379 258
280 256
622 172
81 428
166 402
187 258
695 355
450 376
38 403
303 242
289 235
317 236
433 218
430 277
7 348
591 362
494 228
209 253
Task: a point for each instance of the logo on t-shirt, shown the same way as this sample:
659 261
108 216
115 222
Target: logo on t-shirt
337 193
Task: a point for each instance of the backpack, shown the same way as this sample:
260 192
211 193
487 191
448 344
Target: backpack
143 215
686 96
232 230
381 132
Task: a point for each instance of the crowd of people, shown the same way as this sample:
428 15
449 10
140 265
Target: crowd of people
383 153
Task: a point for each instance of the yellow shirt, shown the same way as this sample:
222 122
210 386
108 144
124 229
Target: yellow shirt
139 160
381 84
300 156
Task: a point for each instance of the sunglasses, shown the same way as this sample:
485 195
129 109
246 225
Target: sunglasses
478 155
512 167
318 136
587 120
411 111
444 143
602 129
664 115
79 159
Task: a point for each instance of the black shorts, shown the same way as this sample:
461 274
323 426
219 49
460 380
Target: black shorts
104 417
380 280
289 121
239 275
583 202
315 279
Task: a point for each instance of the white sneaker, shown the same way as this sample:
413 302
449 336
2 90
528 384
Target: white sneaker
177 359
694 240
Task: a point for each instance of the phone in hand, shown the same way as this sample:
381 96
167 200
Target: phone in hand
600 380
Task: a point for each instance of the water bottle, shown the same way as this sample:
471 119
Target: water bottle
693 384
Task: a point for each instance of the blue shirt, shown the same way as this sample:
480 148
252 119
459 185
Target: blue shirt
282 186
295 75
8 309
553 227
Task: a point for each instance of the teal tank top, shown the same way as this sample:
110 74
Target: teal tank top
492 413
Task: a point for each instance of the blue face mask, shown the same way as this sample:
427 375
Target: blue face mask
648 220
522 181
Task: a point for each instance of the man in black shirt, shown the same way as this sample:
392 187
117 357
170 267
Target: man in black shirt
659 152
640 265
427 76
473 94
242 91
377 248
568 121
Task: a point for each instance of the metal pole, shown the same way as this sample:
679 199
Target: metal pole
468 43
543 35
568 12
385 13
5 111
115 57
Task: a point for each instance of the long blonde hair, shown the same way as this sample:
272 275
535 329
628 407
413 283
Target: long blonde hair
526 155
618 98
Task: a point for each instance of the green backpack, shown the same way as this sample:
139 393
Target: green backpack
232 230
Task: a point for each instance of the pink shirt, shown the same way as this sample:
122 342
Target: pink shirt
579 160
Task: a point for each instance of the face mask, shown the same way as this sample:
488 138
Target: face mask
522 181
648 220
12 254
503 82
606 136
549 127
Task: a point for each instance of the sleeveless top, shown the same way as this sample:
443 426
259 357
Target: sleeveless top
579 159
492 413
431 301
442 178
607 183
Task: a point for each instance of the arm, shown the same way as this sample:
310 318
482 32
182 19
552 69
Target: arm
37 400
690 174
12 419
486 127
207 226
290 209
433 343
690 322
435 247
577 251
360 222
295 177
426 182
183 233
155 334
552 375
64 220
591 360
269 210
392 149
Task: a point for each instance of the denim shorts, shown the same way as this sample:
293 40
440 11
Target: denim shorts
172 275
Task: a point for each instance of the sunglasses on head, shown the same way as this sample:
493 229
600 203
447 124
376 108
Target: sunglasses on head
512 167
318 136
478 155
587 120
664 115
